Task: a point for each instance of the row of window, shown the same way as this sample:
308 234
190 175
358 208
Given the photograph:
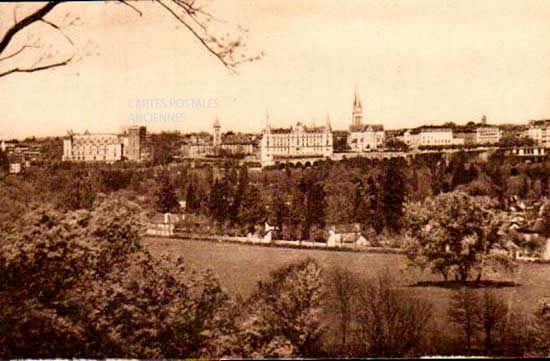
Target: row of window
435 141
96 158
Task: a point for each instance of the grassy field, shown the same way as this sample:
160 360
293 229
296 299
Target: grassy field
240 267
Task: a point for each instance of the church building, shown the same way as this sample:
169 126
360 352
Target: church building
364 138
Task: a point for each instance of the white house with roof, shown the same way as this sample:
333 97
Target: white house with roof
163 224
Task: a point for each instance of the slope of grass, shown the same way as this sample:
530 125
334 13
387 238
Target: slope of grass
240 267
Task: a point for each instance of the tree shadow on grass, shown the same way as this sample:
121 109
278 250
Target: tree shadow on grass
468 284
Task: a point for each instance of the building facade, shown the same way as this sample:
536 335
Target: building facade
468 136
220 144
488 135
430 136
108 148
238 144
363 138
539 131
436 137
294 142
369 137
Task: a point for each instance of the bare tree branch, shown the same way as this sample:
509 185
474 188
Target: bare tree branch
18 52
38 68
15 14
131 6
30 19
58 29
193 17
200 38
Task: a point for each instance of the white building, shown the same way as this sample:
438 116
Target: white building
411 137
163 224
488 135
430 136
367 138
539 131
436 137
297 141
15 168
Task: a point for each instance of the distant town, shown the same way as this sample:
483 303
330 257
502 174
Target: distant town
299 145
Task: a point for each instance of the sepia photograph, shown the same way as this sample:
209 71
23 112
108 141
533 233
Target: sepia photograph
274 179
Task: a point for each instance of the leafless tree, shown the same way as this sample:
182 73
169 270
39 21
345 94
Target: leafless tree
227 48
492 315
464 312
343 291
392 321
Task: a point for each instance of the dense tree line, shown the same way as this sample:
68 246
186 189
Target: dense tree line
301 203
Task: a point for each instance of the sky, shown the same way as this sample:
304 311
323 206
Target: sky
412 62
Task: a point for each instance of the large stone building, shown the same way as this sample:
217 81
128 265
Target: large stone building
108 147
362 137
295 142
238 144
539 131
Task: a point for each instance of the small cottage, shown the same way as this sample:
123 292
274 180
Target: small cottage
163 225
15 168
261 234
346 235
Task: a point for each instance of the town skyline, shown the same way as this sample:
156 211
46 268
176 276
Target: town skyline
412 64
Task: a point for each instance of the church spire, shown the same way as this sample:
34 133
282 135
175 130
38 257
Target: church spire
357 113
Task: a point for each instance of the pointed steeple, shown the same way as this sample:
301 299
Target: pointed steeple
356 98
357 113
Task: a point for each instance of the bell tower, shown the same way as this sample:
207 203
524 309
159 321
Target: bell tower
217 142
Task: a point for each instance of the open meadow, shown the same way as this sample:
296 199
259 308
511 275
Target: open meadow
240 267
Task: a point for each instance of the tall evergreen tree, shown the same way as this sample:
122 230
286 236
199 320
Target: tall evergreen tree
280 211
239 195
297 209
4 162
219 200
415 186
191 199
458 171
253 211
166 198
393 185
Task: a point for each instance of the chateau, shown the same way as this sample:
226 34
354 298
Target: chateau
296 141
108 147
